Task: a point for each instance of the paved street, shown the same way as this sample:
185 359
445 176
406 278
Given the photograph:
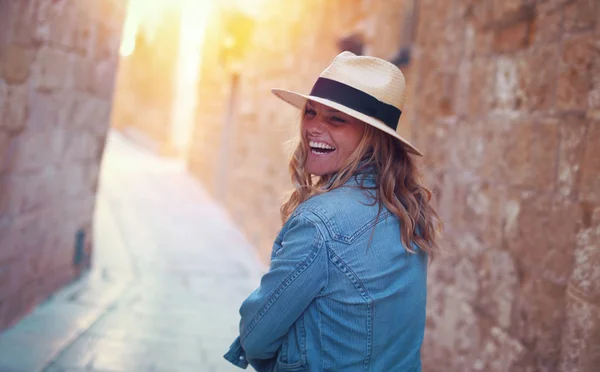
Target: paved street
169 274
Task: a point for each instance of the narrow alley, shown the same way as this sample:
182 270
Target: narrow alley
169 272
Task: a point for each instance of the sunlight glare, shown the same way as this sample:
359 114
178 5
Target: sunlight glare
250 7
145 15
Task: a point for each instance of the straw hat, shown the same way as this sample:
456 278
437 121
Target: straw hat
367 88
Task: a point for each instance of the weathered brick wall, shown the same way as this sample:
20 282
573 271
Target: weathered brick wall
57 65
145 86
507 113
504 101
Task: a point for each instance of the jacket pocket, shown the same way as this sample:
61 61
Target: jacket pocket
292 356
290 367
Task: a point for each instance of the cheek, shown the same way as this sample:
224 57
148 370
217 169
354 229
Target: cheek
352 138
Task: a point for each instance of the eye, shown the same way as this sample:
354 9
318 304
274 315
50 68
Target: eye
309 112
338 119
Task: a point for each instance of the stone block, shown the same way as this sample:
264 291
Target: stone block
48 110
547 28
111 12
28 233
468 157
580 15
482 86
103 78
37 150
552 5
504 11
482 212
573 134
467 243
16 63
586 272
531 154
106 44
538 309
31 295
23 20
5 280
512 38
93 175
6 9
77 179
57 279
452 329
541 234
590 169
484 42
498 350
14 117
581 335
481 12
84 27
506 94
55 21
518 152
466 280
498 286
463 84
12 277
538 75
29 192
3 99
454 33
576 63
79 148
51 70
10 311
82 73
90 114
3 201
4 146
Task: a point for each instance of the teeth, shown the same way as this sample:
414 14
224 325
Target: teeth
321 145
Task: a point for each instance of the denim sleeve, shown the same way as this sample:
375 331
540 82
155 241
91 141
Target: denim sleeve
297 274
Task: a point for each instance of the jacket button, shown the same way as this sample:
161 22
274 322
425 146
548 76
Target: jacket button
242 357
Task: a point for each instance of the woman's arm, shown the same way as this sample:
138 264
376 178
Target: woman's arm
297 274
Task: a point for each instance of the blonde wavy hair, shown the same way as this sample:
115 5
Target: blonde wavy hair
397 186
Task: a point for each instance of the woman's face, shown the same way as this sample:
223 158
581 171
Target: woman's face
332 137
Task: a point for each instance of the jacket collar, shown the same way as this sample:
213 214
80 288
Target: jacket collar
365 175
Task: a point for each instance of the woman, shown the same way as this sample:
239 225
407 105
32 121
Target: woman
346 288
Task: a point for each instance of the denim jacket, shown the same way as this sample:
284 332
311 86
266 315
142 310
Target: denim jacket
341 293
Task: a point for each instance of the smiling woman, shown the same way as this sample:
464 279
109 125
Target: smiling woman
332 137
346 287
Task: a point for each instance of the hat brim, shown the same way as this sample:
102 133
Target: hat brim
299 101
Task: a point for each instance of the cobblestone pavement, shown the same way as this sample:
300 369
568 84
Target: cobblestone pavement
169 273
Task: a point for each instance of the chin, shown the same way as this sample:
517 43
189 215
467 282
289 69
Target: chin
320 174
319 171
320 167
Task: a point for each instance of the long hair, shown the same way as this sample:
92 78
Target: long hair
398 187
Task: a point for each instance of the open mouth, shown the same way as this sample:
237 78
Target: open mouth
321 148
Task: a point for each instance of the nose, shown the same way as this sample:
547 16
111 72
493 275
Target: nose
315 126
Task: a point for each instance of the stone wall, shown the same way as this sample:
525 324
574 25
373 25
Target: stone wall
504 101
57 65
507 112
